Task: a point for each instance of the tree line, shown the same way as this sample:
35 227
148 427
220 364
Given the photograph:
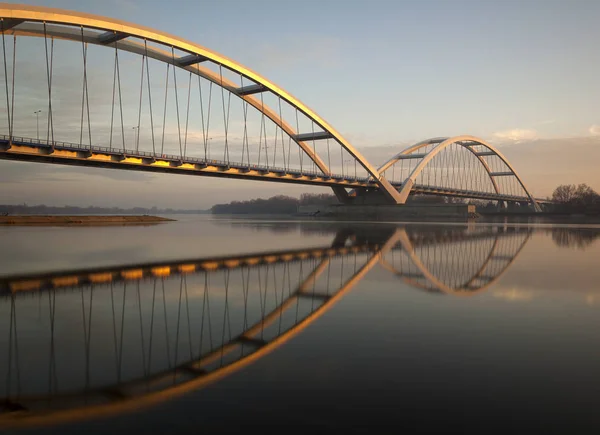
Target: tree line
571 198
279 204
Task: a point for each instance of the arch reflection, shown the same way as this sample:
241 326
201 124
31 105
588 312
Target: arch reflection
88 343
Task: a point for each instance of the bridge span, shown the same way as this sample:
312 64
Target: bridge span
117 95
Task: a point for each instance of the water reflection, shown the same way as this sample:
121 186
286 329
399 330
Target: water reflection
580 238
93 342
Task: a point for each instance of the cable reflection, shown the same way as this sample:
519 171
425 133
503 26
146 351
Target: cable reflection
98 341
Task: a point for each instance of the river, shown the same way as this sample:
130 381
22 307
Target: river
225 323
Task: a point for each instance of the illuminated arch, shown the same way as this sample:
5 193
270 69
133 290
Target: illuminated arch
22 20
440 143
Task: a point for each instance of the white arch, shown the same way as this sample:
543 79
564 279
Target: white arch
442 143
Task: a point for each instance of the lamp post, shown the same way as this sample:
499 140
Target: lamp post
37 122
137 135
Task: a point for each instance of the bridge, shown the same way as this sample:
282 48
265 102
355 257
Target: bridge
117 95
160 330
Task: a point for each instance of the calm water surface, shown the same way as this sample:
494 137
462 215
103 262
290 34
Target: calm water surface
223 324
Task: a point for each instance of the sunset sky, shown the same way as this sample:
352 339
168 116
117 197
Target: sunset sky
386 74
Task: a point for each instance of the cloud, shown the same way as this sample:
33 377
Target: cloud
516 135
595 130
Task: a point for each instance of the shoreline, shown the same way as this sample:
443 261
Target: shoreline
72 220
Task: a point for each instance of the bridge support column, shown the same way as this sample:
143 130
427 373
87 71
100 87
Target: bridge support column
342 195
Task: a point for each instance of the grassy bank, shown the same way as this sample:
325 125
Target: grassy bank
80 220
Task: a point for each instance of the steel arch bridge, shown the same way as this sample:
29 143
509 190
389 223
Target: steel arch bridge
117 95
231 312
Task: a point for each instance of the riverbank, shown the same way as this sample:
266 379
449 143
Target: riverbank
81 220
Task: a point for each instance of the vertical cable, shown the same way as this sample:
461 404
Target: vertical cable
299 147
282 140
202 117
162 145
187 115
149 97
8 106
14 66
50 134
112 108
120 97
84 94
264 128
139 120
176 101
245 137
342 157
225 118
314 167
328 158
210 88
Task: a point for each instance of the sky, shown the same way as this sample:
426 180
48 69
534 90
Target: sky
385 74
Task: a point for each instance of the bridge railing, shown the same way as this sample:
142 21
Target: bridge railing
71 146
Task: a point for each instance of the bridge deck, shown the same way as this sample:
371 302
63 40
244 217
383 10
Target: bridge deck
66 153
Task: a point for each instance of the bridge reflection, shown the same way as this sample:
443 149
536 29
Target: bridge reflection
93 342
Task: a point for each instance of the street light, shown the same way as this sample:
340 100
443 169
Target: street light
137 136
37 122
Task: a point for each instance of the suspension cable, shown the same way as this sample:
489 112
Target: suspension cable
176 100
245 136
112 109
328 157
187 115
208 139
149 100
85 100
8 106
50 134
202 116
137 140
14 66
282 137
299 148
162 145
120 96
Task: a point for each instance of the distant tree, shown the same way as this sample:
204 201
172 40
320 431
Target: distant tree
564 194
585 195
317 199
576 199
